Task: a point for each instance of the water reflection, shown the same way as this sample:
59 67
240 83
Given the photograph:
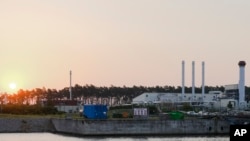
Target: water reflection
59 137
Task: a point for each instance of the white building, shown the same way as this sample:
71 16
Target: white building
215 99
210 99
68 106
176 97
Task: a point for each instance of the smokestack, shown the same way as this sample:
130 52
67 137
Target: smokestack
203 79
241 86
70 88
193 72
183 79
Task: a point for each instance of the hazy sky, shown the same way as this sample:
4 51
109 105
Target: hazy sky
122 42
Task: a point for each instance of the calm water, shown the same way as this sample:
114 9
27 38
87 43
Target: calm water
59 137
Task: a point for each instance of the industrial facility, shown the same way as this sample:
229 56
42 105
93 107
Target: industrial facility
232 98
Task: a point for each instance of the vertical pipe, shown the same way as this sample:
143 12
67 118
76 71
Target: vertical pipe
70 88
183 79
203 80
193 77
242 82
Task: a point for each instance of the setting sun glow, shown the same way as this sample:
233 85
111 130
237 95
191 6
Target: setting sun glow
12 86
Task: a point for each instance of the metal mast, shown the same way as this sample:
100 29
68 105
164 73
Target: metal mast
70 87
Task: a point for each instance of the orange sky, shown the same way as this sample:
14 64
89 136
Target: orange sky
127 42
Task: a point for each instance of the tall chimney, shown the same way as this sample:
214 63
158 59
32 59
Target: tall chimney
70 88
241 85
183 79
203 80
193 79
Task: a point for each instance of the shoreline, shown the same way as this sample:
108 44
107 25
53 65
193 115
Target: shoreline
119 128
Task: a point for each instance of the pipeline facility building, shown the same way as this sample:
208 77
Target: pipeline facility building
234 94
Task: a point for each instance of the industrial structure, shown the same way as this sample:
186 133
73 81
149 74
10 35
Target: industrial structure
70 85
234 95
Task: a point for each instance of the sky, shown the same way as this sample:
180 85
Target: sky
122 42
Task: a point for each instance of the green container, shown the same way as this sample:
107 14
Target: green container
176 115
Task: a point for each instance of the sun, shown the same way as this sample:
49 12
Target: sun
12 86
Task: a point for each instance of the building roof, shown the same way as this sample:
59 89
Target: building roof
175 97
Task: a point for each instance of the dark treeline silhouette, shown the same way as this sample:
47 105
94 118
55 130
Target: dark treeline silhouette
42 100
81 93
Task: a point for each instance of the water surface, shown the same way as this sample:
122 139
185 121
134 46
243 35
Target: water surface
60 137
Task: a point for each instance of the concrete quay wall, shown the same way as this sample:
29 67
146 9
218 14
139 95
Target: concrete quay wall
115 127
19 125
142 127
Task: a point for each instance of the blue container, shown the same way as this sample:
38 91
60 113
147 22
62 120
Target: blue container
95 111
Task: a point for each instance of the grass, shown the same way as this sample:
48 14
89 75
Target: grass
72 115
111 112
35 116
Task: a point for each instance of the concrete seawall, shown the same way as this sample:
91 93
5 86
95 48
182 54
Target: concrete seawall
117 127
28 125
141 127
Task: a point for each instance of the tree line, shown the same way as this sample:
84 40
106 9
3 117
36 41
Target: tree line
39 100
119 94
